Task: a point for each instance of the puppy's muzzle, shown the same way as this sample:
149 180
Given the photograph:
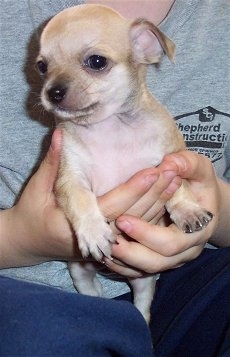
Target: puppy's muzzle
56 94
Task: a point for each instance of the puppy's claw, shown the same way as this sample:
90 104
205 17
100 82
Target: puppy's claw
95 238
105 253
187 228
210 215
197 224
191 219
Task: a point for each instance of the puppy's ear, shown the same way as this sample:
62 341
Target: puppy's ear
149 43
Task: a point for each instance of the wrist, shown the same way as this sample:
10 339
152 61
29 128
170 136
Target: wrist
14 245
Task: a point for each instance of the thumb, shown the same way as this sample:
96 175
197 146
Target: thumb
192 166
47 172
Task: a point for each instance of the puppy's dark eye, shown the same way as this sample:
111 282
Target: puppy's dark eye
42 67
96 62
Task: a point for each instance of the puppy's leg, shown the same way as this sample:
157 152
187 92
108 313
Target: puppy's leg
143 292
84 278
79 204
94 235
185 212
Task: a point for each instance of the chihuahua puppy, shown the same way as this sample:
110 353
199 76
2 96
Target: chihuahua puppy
94 64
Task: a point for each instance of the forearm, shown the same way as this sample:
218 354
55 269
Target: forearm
221 237
25 242
10 255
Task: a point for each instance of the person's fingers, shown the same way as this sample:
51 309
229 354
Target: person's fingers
131 254
164 240
191 165
122 269
135 266
119 200
154 200
138 195
160 197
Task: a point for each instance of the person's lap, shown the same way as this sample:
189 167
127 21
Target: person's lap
42 321
191 309
190 316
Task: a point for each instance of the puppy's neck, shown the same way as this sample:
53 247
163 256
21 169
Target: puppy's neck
137 102
135 109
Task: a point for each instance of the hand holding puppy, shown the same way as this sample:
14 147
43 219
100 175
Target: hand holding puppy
155 248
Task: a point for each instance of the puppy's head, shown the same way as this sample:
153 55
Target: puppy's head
92 60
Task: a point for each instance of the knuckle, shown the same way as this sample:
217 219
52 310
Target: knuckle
171 248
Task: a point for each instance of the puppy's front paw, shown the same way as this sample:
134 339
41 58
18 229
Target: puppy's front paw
95 237
190 217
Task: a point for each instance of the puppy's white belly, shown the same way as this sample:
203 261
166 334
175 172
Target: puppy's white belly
111 168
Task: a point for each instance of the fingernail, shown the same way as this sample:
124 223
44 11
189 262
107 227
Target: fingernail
151 179
169 174
56 140
52 144
180 162
124 225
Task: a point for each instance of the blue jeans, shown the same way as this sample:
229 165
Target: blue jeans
190 317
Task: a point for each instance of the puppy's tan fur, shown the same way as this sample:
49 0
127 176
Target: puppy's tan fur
112 126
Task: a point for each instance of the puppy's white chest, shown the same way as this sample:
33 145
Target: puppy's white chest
116 151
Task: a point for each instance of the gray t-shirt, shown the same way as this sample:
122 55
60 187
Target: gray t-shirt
195 90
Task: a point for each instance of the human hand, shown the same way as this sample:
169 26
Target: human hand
153 248
143 196
35 227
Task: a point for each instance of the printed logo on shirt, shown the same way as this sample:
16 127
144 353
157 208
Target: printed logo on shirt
205 131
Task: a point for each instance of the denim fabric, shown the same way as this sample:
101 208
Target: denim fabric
190 317
41 321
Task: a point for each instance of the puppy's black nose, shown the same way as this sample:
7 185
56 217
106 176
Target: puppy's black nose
57 94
